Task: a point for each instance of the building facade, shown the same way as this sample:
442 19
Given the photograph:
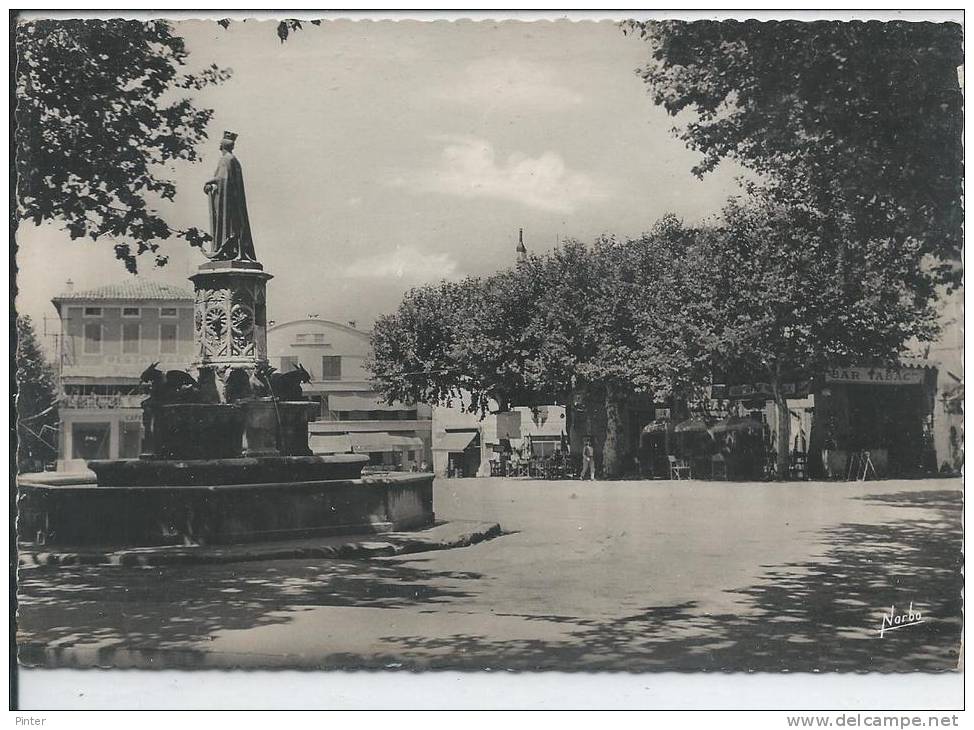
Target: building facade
464 444
109 335
844 422
352 418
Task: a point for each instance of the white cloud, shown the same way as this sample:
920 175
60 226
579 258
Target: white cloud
496 82
468 168
407 263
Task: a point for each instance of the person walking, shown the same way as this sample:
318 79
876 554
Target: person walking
588 459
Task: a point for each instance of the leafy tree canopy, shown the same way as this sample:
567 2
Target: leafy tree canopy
99 110
786 300
861 119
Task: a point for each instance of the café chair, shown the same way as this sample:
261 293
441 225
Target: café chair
679 468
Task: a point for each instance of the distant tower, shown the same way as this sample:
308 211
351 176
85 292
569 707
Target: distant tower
522 252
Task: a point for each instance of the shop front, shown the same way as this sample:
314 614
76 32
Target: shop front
844 423
101 432
457 453
874 421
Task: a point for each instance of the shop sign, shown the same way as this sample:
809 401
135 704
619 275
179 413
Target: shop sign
874 376
763 390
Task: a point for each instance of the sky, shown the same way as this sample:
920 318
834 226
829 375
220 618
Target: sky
382 155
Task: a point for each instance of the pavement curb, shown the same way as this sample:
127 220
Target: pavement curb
445 536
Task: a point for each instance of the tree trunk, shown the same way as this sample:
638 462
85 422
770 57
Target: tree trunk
570 418
595 420
614 450
783 456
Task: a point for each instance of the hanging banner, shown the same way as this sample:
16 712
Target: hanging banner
875 376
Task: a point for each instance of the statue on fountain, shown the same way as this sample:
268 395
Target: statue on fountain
229 223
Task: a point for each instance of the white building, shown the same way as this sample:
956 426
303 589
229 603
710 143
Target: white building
352 416
109 335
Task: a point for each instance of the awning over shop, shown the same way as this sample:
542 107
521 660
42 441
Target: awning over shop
735 423
656 427
693 425
454 441
368 442
362 403
330 444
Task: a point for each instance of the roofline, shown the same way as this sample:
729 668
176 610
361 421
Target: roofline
189 298
353 330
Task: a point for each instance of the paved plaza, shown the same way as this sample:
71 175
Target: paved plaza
627 575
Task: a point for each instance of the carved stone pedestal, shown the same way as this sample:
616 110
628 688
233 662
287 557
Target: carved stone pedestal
231 314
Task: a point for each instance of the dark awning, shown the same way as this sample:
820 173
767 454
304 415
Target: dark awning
362 403
657 427
330 444
370 442
454 441
692 425
736 423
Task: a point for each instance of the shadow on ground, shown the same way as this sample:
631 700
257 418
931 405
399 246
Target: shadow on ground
120 607
822 614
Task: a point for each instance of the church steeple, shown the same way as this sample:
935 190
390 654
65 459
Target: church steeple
522 252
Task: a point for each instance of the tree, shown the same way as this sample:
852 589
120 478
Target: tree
783 309
862 120
590 323
98 112
37 415
414 349
470 340
500 350
655 321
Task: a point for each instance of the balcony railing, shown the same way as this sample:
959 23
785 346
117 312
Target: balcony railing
77 400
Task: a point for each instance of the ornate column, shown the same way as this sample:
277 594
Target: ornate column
230 316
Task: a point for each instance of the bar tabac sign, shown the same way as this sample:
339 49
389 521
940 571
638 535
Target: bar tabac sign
875 376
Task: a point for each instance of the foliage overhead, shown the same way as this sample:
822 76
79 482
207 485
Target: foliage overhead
864 119
284 28
788 302
576 319
763 293
413 349
100 110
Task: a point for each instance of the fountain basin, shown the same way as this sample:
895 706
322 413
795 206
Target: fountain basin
241 470
195 430
90 514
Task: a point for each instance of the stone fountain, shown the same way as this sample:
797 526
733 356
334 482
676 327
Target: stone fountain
225 456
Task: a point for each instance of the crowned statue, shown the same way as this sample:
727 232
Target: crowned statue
229 223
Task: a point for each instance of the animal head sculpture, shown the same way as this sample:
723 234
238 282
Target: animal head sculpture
237 386
305 376
151 373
